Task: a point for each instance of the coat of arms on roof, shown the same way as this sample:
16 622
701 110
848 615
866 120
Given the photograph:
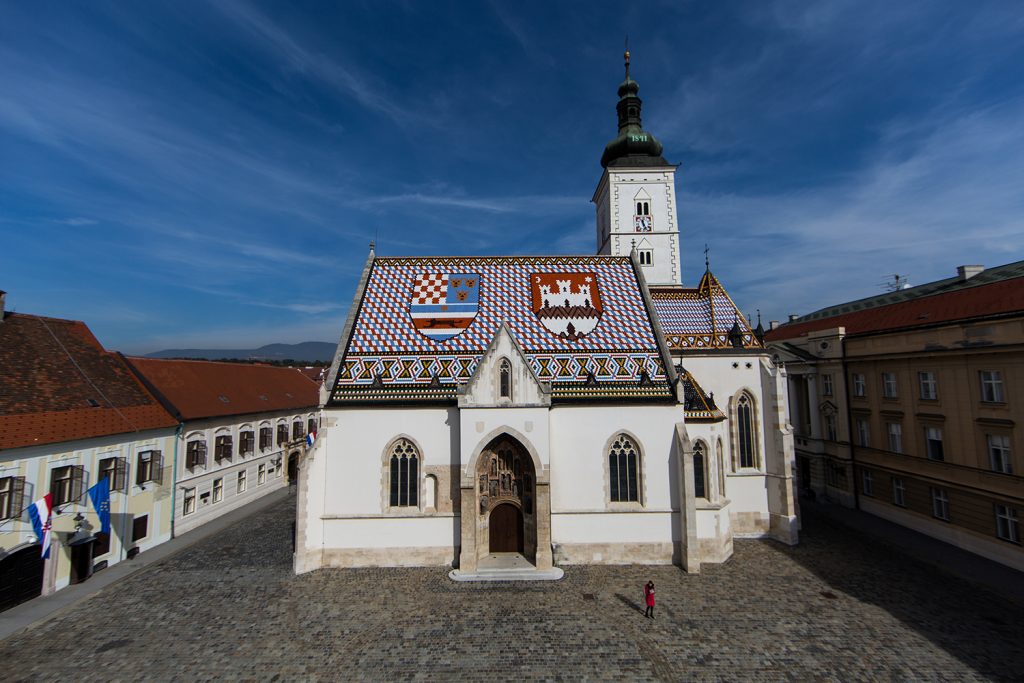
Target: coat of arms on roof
444 304
567 304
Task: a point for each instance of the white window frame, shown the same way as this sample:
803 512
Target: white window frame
890 388
933 434
895 433
899 492
929 386
831 427
261 474
1007 524
991 386
241 481
826 385
860 386
867 483
188 501
218 490
1000 457
863 432
940 504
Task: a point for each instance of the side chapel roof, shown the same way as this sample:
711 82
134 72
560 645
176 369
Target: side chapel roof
386 354
702 317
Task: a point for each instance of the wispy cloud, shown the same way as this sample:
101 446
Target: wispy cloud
77 221
940 193
345 78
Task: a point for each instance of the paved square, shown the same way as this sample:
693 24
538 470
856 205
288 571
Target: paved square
834 608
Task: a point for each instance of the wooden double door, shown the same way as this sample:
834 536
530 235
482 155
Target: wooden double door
506 529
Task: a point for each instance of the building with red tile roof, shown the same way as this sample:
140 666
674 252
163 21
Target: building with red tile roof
59 384
908 405
243 428
71 414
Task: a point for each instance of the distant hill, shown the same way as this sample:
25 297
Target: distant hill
304 352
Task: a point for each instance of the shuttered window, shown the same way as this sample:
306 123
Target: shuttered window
12 497
222 446
150 468
66 484
266 438
116 470
195 454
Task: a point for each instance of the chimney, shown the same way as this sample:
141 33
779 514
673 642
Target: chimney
967 272
793 316
773 324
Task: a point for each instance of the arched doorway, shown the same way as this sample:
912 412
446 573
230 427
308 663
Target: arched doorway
506 496
506 529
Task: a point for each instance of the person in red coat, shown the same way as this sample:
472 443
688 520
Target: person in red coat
649 599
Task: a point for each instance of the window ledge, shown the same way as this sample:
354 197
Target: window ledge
623 506
391 515
749 472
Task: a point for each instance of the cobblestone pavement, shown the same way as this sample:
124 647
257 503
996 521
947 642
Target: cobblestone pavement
833 608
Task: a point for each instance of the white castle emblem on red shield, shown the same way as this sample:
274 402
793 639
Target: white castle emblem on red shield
567 304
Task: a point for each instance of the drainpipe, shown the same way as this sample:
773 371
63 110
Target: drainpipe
849 428
174 476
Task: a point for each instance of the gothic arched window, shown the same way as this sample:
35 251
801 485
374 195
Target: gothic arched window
700 487
505 380
404 473
624 470
745 431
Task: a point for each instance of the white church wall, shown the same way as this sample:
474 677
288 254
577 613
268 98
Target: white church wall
354 525
727 376
580 438
585 526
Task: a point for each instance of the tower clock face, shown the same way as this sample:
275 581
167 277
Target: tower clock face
642 223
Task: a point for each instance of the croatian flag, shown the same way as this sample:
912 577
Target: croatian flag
310 438
39 512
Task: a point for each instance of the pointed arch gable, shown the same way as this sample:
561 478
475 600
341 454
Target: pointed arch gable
469 469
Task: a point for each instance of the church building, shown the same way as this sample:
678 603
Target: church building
510 415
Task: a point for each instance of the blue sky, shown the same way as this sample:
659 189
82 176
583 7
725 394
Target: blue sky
210 174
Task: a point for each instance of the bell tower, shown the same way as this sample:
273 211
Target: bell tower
636 196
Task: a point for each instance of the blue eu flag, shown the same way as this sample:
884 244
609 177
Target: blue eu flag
100 497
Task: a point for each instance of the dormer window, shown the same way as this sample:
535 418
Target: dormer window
505 380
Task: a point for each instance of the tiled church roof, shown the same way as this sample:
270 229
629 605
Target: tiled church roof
611 348
701 317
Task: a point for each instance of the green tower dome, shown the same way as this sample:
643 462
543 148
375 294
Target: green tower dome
633 146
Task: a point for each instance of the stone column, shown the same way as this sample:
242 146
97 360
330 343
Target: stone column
543 520
690 555
467 556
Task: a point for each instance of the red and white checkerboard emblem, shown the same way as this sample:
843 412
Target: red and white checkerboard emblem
444 304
